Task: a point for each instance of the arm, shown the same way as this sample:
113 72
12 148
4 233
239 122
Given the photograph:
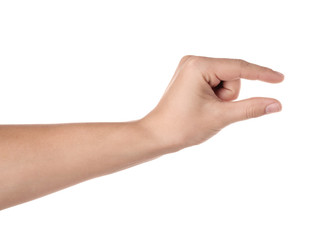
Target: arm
36 160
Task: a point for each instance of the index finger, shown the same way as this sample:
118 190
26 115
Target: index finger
232 69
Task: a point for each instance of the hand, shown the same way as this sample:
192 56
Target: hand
198 101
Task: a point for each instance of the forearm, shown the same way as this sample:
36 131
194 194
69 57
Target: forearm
36 160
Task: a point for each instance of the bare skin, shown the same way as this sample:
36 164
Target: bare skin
36 160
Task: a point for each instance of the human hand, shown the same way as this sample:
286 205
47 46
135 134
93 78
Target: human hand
197 103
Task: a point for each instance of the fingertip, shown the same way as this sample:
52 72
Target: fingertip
270 76
279 77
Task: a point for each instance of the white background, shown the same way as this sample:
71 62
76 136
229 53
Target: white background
89 61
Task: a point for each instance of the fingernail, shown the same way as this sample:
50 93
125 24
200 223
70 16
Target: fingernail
272 108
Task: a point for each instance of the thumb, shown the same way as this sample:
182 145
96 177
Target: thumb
249 108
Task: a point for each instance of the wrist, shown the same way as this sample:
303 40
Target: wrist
160 135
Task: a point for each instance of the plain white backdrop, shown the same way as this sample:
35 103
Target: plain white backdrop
90 61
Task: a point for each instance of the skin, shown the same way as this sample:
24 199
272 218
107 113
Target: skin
36 160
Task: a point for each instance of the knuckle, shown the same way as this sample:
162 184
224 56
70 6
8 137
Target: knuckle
243 66
234 96
185 58
191 62
242 63
251 112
